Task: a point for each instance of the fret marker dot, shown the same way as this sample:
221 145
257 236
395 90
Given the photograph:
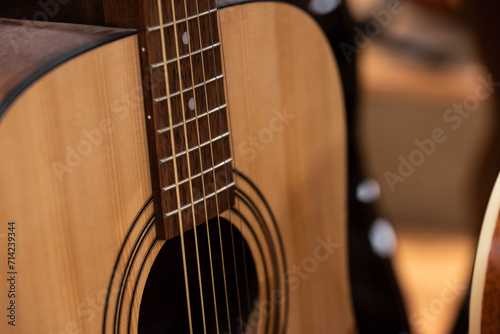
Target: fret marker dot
191 104
185 38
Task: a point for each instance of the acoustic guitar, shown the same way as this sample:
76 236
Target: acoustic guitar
170 167
484 315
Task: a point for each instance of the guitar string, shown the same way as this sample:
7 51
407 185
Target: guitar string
183 112
172 142
226 176
238 204
199 146
214 179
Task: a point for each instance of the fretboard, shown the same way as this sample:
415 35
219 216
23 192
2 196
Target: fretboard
191 107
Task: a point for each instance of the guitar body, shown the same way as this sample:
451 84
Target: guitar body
75 184
484 315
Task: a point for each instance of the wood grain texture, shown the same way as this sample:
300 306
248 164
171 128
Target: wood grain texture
289 138
31 49
87 118
301 167
484 314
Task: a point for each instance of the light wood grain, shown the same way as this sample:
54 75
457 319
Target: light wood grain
70 230
285 64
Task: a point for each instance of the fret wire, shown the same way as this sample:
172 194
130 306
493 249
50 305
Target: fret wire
172 60
159 132
194 148
166 25
172 186
198 201
163 98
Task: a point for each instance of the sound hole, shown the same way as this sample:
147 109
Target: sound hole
164 307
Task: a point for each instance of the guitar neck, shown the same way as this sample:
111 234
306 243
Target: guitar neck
185 98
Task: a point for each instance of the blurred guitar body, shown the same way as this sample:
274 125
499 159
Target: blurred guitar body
484 316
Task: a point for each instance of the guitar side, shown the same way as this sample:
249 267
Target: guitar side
75 174
484 310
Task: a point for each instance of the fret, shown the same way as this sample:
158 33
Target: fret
215 95
187 206
163 98
208 182
182 20
208 170
192 119
191 149
152 19
207 27
172 60
225 199
221 153
213 68
216 128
